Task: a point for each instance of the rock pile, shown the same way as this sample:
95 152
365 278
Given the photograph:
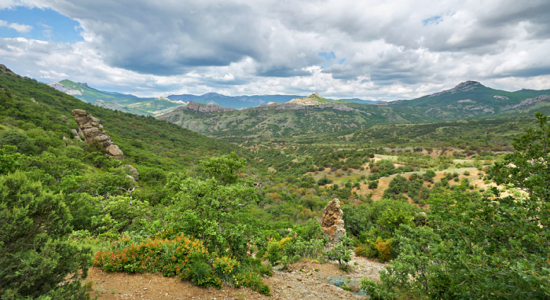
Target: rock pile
210 108
333 223
92 130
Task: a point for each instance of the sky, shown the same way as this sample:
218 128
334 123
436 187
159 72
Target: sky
372 50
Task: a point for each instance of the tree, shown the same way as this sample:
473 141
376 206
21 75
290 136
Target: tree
528 168
215 210
9 159
481 248
18 139
35 259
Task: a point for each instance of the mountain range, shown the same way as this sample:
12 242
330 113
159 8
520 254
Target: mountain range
316 116
155 106
244 118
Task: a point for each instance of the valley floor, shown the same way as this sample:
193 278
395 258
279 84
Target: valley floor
306 280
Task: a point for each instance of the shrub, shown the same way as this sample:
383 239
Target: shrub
36 261
186 258
373 184
18 139
384 248
340 253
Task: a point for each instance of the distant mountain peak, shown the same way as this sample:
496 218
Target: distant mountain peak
212 95
461 87
467 84
62 88
313 99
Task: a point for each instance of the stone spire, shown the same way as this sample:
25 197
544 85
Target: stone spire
333 223
92 130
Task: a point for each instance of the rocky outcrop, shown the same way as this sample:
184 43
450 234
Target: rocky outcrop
294 106
210 108
388 103
501 97
527 102
58 86
131 172
461 87
75 135
333 223
92 130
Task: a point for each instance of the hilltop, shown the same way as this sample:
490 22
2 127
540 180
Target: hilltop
472 99
142 139
313 99
314 117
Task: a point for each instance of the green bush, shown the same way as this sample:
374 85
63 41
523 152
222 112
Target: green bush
35 257
373 184
18 139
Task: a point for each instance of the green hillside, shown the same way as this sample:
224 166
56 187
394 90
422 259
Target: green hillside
143 139
286 121
156 106
91 95
469 99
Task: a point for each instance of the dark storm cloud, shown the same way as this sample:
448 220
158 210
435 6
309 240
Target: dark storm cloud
270 45
169 38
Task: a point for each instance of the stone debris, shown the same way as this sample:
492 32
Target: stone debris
210 108
527 102
131 172
76 135
90 128
333 223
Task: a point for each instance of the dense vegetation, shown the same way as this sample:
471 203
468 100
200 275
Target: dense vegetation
215 214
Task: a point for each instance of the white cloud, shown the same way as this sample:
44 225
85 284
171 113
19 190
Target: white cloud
21 28
392 49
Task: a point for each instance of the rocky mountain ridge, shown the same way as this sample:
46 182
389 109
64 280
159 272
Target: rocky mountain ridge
58 86
209 108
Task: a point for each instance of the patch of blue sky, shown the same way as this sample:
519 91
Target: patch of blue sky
341 62
432 20
328 56
39 24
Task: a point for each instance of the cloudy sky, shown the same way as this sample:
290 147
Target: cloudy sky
382 50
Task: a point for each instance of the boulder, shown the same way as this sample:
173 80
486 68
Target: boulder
333 223
113 150
131 171
91 129
75 135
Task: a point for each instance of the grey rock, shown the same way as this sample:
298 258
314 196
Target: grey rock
91 129
527 102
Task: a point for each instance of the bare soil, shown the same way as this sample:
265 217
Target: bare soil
304 280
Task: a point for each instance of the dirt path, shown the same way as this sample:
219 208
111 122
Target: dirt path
305 280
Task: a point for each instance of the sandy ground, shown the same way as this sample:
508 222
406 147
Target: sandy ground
305 280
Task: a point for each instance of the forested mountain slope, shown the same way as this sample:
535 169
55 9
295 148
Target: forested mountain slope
142 139
314 116
471 99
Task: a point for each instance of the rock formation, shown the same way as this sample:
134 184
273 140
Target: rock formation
92 130
333 223
58 86
75 135
210 108
131 172
527 102
461 87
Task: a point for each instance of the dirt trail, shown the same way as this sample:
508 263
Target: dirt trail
305 280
